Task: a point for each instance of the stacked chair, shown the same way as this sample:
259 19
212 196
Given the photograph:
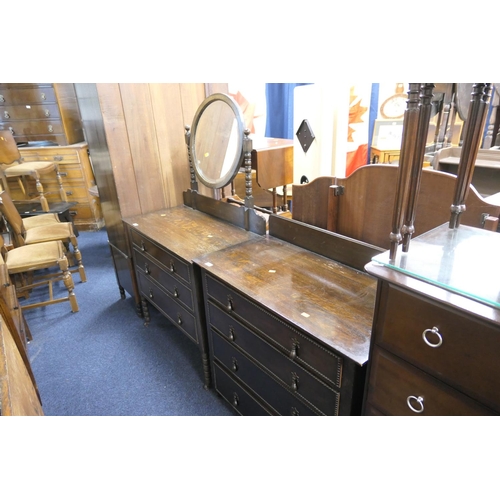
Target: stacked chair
39 229
40 255
12 166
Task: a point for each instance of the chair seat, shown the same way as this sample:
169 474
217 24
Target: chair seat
59 231
32 257
40 220
34 168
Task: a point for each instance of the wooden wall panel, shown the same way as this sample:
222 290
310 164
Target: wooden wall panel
115 127
144 126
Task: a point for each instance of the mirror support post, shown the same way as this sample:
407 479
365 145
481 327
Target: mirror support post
187 137
247 154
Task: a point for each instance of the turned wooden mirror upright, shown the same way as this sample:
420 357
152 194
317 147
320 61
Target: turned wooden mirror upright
218 147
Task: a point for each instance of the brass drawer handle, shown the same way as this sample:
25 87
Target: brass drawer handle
63 174
235 365
58 158
434 330
47 113
176 292
236 399
6 114
411 400
231 334
179 319
146 269
50 128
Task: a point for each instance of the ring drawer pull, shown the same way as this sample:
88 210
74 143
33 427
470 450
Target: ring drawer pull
236 399
231 333
172 267
151 296
6 114
47 113
146 269
411 400
179 319
176 292
235 365
435 331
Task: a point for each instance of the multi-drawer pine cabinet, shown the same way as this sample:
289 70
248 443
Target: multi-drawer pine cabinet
78 179
41 112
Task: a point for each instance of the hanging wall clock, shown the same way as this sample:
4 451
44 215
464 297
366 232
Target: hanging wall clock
393 108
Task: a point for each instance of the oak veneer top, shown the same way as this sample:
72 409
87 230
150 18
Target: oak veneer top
333 302
188 233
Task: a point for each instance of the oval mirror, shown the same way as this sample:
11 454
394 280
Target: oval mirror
216 140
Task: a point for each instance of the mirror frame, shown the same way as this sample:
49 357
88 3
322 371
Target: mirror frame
235 167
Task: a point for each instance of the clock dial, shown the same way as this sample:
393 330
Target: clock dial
394 107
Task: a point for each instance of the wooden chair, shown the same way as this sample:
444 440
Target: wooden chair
23 263
11 165
46 231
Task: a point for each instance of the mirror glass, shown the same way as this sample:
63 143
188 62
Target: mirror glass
217 140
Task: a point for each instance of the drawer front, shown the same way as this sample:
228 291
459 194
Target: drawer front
292 342
29 112
27 95
63 158
236 396
175 288
290 374
458 349
256 379
30 128
168 306
170 262
395 387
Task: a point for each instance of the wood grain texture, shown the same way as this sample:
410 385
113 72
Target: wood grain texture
188 233
333 302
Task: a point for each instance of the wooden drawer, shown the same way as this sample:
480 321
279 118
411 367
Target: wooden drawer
458 349
173 286
63 157
28 95
291 375
34 128
290 341
275 395
236 396
29 112
170 262
395 384
168 306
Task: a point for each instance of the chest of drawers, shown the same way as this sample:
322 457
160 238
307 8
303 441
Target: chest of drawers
433 352
163 246
288 329
78 177
41 112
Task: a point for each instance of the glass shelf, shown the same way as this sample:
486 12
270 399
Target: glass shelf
465 260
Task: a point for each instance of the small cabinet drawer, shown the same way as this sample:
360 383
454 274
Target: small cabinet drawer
170 262
236 396
184 320
27 95
295 344
176 289
29 112
42 127
458 349
292 375
274 394
398 388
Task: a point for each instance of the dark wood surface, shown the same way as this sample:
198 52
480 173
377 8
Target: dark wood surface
187 232
459 377
332 302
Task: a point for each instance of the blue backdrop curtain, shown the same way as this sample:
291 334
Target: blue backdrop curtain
372 117
279 104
